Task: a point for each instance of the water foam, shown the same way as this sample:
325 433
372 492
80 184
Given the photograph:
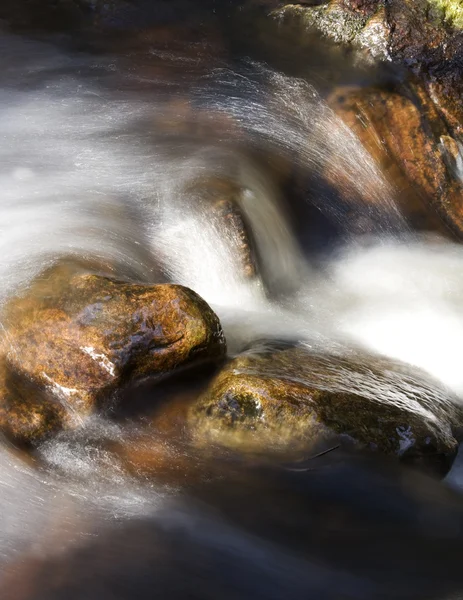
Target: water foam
86 172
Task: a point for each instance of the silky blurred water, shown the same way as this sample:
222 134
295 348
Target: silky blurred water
89 170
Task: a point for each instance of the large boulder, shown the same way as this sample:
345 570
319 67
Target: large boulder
293 401
76 338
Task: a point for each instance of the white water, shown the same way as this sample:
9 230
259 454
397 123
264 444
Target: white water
84 171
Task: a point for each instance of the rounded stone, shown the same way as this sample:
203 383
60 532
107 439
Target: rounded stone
295 401
77 338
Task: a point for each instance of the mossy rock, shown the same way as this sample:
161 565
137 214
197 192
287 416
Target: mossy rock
405 29
75 338
451 11
294 401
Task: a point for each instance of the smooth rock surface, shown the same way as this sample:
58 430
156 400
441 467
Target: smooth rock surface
293 401
411 143
75 338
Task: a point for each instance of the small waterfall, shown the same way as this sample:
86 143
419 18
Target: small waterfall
91 169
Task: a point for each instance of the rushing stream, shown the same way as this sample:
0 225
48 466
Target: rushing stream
108 158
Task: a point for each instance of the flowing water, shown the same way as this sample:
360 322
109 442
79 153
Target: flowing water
106 158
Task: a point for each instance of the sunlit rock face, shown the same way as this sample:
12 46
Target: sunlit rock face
417 123
291 400
404 132
76 338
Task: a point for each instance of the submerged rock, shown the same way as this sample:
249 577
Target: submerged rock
221 198
76 338
292 400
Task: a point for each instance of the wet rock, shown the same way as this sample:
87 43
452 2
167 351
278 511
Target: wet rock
228 212
212 211
221 197
75 338
293 401
423 36
404 132
26 413
406 119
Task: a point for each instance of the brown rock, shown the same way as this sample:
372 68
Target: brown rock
220 197
75 338
293 401
403 131
422 36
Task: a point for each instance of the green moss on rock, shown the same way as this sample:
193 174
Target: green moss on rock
451 11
